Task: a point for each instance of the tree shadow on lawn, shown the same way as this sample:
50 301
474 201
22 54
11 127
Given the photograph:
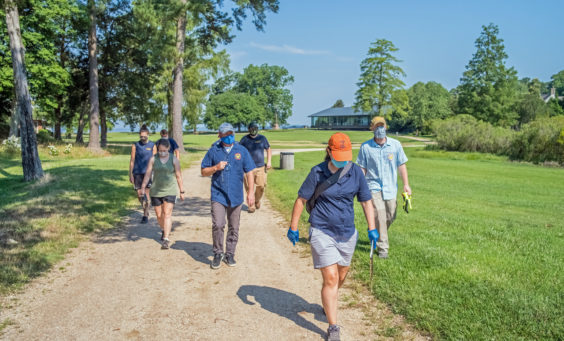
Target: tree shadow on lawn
285 304
39 220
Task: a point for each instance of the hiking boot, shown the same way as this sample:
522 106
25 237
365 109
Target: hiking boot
383 255
257 204
144 220
217 258
333 333
230 260
251 210
166 244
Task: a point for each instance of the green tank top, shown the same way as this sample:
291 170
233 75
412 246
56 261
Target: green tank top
164 179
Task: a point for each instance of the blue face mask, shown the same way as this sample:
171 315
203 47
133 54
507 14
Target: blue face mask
380 132
229 139
339 164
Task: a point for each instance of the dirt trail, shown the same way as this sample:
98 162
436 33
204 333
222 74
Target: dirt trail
123 286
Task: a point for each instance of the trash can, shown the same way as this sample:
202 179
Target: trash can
287 160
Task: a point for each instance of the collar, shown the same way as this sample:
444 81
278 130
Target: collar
374 144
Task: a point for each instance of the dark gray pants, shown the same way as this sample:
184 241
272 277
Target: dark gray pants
219 212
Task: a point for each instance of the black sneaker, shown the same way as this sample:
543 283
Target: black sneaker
215 264
334 333
230 260
144 220
162 235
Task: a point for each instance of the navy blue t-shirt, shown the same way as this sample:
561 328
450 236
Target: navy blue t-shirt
256 147
173 145
227 184
143 153
334 209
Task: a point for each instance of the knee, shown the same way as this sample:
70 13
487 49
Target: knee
331 280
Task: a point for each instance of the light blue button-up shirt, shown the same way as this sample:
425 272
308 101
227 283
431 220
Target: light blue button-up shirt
381 164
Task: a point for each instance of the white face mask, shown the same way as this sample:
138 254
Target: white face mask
163 154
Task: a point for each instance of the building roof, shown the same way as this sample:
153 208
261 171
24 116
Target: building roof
345 111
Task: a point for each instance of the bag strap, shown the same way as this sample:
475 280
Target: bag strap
333 179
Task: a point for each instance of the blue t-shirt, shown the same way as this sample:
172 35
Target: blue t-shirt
256 147
334 209
143 153
381 164
227 184
173 145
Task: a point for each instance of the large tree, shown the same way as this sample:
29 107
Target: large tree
557 81
236 108
488 88
31 163
427 101
380 79
94 138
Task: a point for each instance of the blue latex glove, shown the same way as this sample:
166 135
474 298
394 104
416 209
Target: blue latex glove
373 236
293 236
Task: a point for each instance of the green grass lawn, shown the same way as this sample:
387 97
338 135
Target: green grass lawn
480 256
80 194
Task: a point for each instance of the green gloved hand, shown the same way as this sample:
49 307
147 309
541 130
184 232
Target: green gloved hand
406 202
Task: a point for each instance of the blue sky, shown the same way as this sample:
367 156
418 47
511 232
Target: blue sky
322 43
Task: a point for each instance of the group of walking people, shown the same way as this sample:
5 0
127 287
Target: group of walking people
328 194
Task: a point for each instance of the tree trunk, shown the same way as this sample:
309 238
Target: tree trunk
94 140
14 119
103 128
81 123
58 115
31 163
177 80
276 125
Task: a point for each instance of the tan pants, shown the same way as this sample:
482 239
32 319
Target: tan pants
259 175
385 213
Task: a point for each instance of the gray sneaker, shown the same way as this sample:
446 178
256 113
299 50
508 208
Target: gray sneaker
383 255
166 244
230 260
216 262
333 333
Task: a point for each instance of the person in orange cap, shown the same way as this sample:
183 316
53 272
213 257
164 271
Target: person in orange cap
328 192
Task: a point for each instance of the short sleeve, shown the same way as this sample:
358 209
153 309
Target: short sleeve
364 193
243 141
265 143
173 144
361 158
401 157
207 161
309 185
248 163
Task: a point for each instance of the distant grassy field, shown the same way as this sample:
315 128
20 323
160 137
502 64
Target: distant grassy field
480 256
81 193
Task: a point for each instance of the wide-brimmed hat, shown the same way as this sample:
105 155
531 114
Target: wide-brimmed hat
341 147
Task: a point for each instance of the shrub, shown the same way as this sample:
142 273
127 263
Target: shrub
466 134
44 136
68 149
540 141
12 145
53 151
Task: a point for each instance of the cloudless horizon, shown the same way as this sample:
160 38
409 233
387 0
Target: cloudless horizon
322 43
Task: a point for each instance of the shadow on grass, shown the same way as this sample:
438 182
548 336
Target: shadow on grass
40 220
285 304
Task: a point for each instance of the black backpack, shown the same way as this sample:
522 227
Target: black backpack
310 204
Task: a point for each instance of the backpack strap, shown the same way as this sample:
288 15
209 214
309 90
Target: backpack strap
333 179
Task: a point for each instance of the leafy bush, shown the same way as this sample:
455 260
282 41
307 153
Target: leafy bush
540 141
68 149
53 151
465 133
12 145
44 136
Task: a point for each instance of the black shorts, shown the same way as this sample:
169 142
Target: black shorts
138 181
159 201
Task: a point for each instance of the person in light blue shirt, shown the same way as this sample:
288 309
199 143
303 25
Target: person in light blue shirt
381 159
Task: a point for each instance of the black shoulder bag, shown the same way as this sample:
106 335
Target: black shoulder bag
310 204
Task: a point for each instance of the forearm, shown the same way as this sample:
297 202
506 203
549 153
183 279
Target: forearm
403 174
268 155
208 171
251 181
131 168
146 179
297 212
179 180
369 213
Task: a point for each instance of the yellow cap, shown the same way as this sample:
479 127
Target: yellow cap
376 121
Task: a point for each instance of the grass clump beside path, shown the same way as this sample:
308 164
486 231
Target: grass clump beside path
480 256
81 193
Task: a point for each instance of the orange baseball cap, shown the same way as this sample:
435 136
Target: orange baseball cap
341 147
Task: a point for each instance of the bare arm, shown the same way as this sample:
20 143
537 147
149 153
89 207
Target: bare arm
297 212
208 171
369 213
178 173
131 163
148 174
268 158
403 174
177 153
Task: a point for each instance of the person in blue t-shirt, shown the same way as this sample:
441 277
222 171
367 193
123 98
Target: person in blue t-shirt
228 163
141 152
257 144
333 234
173 145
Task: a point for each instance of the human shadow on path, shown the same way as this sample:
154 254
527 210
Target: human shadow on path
284 304
200 252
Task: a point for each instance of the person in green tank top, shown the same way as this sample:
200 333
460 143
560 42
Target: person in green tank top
167 180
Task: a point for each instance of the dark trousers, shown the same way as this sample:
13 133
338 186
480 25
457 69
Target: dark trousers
219 212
